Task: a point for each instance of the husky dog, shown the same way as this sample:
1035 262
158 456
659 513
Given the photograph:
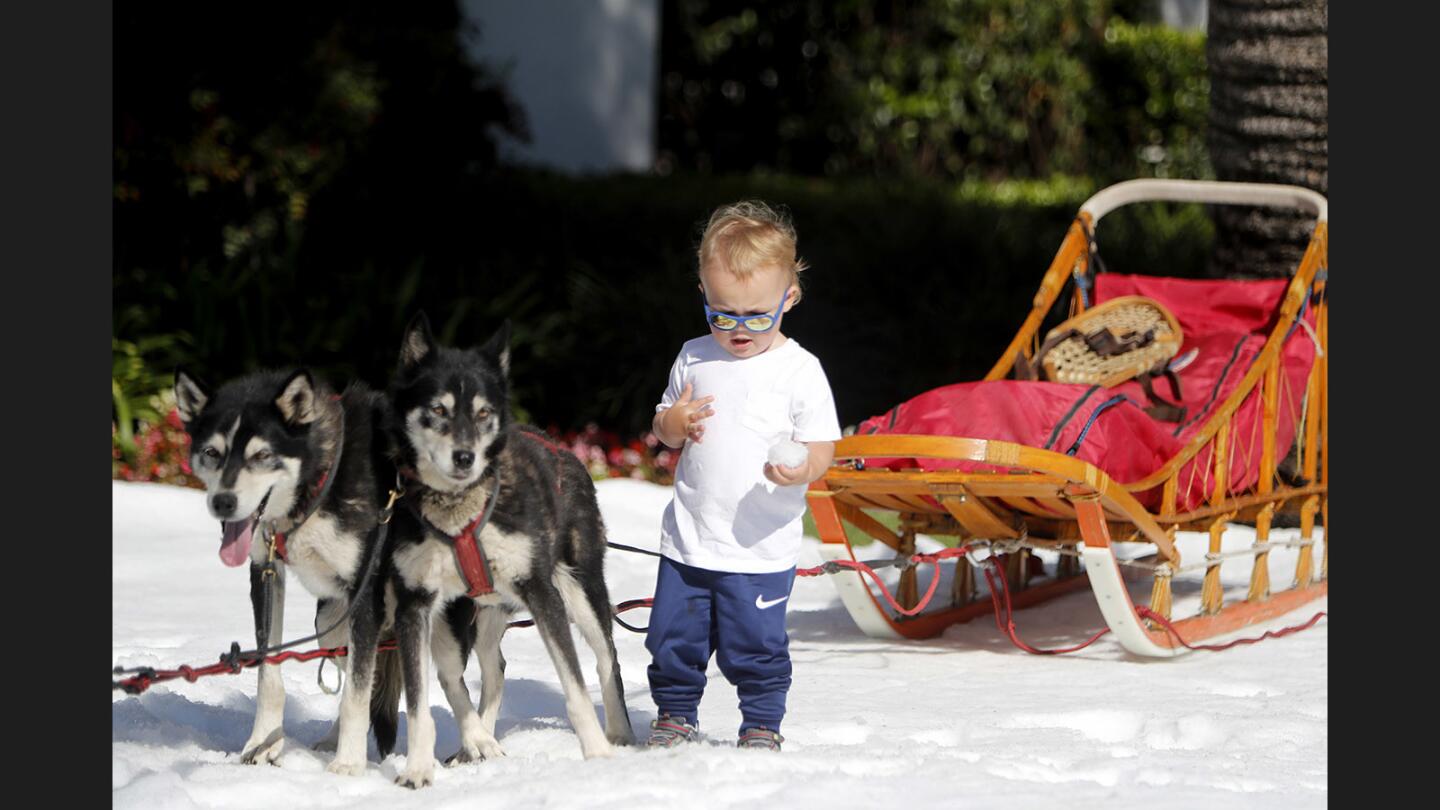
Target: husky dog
545 543
279 452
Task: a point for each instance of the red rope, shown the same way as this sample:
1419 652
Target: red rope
1147 613
916 559
139 683
999 597
1008 628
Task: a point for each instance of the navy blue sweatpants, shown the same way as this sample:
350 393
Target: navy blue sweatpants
740 619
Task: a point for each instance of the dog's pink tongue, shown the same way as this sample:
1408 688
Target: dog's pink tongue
235 537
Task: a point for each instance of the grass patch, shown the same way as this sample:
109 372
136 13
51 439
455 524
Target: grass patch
858 538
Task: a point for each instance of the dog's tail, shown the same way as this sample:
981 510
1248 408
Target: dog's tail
385 700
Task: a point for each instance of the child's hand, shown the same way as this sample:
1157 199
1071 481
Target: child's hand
692 413
818 456
788 476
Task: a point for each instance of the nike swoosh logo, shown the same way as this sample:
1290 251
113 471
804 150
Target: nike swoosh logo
762 604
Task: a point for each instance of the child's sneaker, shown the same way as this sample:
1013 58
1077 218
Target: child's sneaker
760 737
667 731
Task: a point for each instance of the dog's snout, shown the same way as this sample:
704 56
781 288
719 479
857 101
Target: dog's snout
463 459
223 504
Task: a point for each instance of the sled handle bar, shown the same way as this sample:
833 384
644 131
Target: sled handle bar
1205 191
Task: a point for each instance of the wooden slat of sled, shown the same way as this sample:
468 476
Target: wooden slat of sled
868 525
1032 494
912 486
1027 486
887 501
1024 505
862 500
977 518
921 481
915 503
1058 506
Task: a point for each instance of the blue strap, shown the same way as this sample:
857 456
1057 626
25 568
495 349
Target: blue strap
1099 409
1065 420
1299 316
1082 283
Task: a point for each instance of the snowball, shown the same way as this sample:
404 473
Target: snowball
788 454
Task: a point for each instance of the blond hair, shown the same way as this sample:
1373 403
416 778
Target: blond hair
746 236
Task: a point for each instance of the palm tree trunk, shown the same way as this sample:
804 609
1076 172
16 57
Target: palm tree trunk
1269 113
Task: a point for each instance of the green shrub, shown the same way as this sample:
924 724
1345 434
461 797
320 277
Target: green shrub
142 383
1150 113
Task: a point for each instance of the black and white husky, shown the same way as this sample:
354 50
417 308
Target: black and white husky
281 455
545 544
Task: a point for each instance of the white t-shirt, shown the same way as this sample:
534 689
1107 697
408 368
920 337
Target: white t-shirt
726 515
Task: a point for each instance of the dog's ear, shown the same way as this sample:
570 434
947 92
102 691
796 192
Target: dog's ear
498 347
418 341
297 401
190 396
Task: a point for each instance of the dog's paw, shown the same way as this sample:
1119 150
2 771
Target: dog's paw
598 751
328 745
341 767
488 749
622 738
265 751
416 779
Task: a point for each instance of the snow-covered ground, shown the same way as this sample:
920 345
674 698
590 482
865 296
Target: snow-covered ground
962 720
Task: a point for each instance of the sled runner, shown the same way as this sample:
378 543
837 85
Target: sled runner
1022 463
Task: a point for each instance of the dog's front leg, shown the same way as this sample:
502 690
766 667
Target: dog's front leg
267 738
354 720
477 739
327 613
412 631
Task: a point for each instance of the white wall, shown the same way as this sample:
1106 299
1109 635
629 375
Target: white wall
1187 15
585 73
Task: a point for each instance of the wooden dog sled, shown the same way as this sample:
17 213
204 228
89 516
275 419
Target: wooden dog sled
1022 494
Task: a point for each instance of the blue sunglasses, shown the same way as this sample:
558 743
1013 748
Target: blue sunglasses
726 322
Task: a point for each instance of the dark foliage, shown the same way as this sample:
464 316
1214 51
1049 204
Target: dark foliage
991 89
269 156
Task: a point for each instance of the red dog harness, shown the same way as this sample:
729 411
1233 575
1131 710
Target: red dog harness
474 567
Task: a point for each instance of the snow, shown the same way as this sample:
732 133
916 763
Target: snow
788 453
963 719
